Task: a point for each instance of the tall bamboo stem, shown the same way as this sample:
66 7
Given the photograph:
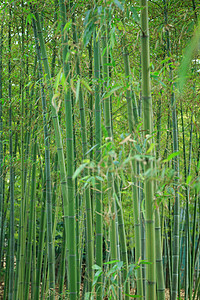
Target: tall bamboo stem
148 123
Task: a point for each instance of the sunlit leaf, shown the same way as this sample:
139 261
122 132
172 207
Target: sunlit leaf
171 156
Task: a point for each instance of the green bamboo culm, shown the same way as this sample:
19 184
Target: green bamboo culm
22 233
31 218
51 258
61 159
147 124
11 233
98 154
72 276
175 250
132 122
122 239
1 143
87 199
158 242
110 179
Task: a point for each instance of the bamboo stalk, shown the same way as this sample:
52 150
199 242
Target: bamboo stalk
98 154
51 258
148 187
11 233
132 122
175 254
70 160
87 198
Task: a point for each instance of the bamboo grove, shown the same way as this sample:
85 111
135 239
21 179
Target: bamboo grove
99 149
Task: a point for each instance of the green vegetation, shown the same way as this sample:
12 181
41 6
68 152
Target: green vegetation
99 149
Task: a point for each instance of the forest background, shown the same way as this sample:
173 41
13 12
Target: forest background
99 149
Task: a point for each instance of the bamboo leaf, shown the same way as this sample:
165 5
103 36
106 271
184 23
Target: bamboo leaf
86 85
96 276
135 14
79 170
198 166
63 82
67 25
57 81
151 148
111 262
125 140
118 4
96 267
90 149
133 296
107 95
99 178
189 178
171 156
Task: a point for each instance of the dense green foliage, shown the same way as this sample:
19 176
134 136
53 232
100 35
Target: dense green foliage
99 149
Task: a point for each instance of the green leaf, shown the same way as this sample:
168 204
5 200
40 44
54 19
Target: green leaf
198 166
111 262
67 25
96 267
86 85
99 178
133 296
189 178
119 4
107 95
135 15
88 30
63 82
96 276
144 262
57 81
151 148
29 18
90 149
171 156
79 170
